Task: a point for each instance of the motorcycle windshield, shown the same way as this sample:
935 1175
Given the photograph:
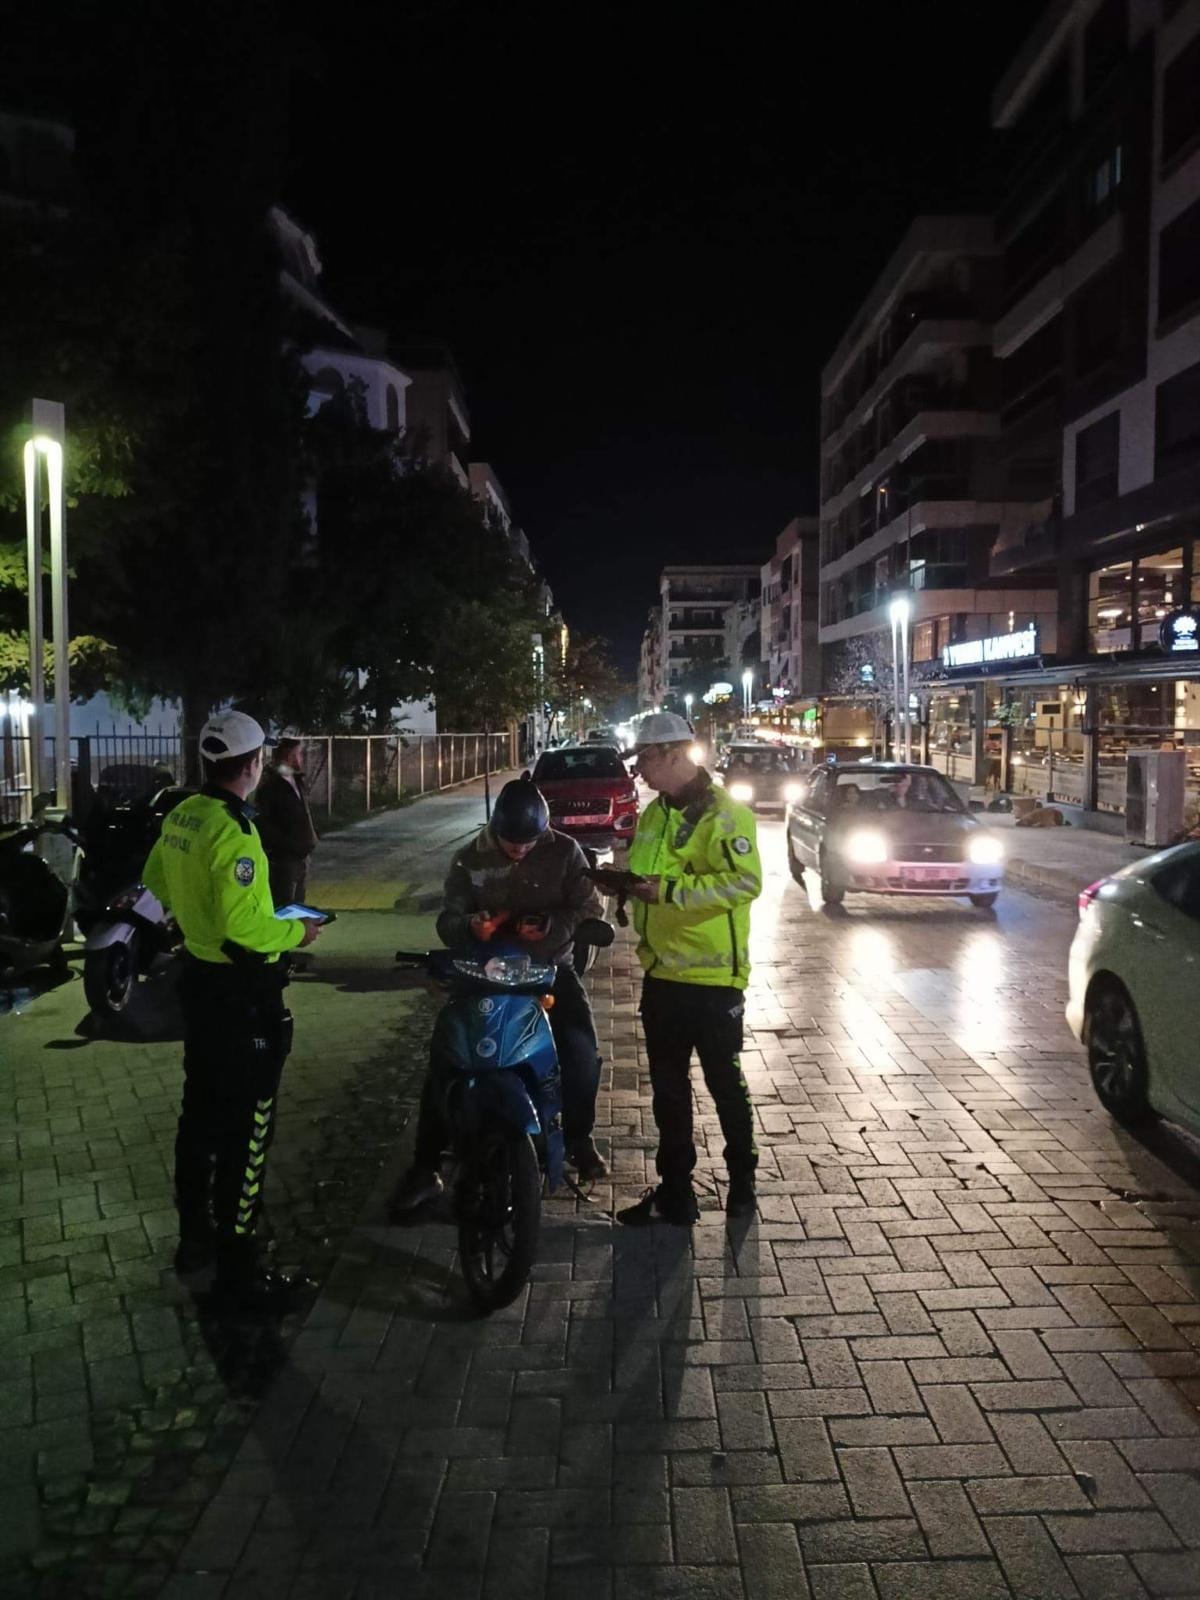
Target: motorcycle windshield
503 967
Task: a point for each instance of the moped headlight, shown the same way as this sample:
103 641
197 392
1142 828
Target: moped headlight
792 791
741 791
985 850
865 848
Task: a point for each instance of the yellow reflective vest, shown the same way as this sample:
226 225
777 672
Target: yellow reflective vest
703 848
209 869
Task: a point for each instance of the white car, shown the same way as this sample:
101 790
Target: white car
1134 978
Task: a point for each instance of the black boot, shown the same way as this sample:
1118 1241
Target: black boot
197 1244
247 1286
741 1201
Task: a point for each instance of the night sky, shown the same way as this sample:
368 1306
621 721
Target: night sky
642 235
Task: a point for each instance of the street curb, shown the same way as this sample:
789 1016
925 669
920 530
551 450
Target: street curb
1054 883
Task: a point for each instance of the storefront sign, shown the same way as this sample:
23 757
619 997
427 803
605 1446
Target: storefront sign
1179 633
866 673
982 652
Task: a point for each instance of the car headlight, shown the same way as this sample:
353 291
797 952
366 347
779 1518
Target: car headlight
792 791
865 848
985 850
741 791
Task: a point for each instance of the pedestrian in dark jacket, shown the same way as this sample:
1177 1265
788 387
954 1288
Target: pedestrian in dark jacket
285 823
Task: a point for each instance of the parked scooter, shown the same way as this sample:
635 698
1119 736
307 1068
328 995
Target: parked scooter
494 1060
125 927
35 903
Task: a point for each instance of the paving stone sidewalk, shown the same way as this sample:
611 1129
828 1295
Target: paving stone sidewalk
956 1355
121 1403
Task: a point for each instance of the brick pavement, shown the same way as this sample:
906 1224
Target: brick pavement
957 1355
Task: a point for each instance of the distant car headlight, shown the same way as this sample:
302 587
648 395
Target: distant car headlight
741 791
792 791
865 848
696 752
985 850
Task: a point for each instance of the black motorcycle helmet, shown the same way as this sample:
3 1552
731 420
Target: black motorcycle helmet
521 814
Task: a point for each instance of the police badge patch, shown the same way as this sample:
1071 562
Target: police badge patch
741 845
243 871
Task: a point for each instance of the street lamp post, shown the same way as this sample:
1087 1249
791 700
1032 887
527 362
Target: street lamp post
687 706
900 611
46 446
747 681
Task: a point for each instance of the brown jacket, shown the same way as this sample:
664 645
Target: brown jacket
550 879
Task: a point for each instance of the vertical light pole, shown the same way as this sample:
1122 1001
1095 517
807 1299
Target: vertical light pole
747 681
900 611
687 706
46 447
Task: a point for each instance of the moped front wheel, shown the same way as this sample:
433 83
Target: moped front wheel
499 1218
108 978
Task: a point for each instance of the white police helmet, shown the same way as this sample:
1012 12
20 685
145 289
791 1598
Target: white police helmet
662 727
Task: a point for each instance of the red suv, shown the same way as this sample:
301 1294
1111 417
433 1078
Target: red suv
590 794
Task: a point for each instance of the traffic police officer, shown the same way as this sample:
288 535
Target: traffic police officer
209 868
695 857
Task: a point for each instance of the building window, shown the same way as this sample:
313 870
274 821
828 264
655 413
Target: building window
1102 181
1110 608
1097 453
1159 588
1177 422
1032 373
1179 264
924 641
1181 102
1105 41
1096 312
393 409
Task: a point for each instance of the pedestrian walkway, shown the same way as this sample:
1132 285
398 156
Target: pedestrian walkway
955 1355
1061 861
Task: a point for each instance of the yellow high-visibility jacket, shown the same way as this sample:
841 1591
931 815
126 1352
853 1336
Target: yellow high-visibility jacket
209 869
703 847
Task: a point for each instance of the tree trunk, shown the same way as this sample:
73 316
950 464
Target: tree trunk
194 709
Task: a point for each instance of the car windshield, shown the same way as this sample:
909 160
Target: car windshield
582 762
896 791
758 759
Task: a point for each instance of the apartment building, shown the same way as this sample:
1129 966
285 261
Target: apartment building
910 496
694 602
790 651
650 683
1098 346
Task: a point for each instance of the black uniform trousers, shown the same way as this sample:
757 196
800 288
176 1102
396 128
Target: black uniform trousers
574 1031
237 1035
678 1018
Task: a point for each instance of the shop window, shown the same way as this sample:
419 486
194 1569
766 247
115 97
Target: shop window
1179 264
1159 588
1110 608
1097 451
1177 422
1181 102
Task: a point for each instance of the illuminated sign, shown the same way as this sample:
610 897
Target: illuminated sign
718 691
866 673
983 652
1179 633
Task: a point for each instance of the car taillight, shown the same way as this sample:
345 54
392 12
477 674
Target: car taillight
1090 893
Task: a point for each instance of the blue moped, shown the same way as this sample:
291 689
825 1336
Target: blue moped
496 1070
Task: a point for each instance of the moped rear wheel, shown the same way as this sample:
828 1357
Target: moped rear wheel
499 1218
108 978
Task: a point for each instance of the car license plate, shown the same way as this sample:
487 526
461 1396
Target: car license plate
922 874
586 822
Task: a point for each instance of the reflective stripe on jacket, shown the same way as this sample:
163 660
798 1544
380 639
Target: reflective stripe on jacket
208 868
703 848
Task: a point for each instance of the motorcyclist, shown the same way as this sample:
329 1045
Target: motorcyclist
520 878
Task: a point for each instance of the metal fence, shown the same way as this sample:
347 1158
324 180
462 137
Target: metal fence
348 774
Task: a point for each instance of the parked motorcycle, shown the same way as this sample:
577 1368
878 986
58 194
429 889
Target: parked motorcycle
494 1060
125 926
35 903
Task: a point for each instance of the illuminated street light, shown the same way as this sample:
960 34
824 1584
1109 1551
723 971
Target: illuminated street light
46 447
747 681
900 611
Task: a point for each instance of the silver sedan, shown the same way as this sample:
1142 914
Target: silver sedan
890 828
